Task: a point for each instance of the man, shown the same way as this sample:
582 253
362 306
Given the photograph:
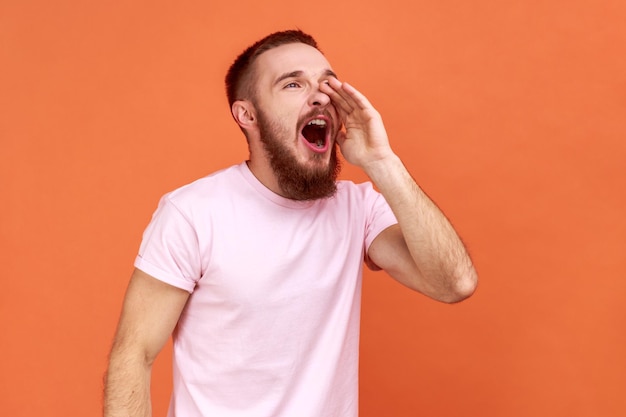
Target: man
256 269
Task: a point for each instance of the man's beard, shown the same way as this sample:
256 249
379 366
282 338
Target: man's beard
296 181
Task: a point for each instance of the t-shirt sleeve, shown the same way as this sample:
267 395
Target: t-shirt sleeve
379 218
169 249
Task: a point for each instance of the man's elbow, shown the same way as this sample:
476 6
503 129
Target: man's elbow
446 287
462 287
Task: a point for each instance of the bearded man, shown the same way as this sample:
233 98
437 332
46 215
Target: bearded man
256 269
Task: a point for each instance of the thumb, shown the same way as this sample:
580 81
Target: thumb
341 138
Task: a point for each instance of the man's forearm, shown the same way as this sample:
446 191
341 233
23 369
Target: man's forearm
127 387
437 250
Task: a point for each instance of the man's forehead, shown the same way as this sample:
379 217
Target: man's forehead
292 58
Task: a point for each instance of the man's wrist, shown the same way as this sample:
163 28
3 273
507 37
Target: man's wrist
382 169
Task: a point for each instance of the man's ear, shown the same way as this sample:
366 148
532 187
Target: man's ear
244 114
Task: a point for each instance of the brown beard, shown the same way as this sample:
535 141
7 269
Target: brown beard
297 182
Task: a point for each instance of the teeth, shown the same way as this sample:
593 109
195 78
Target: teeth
318 122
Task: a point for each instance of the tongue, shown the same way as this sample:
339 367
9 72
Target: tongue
315 135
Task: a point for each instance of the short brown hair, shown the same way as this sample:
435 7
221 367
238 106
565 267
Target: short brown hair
239 75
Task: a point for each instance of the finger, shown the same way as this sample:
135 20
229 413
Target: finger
342 108
340 138
356 98
333 88
348 93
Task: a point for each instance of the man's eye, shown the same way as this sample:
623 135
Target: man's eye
292 85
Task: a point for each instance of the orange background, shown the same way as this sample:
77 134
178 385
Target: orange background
512 115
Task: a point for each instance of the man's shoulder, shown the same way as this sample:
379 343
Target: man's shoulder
349 188
353 195
207 186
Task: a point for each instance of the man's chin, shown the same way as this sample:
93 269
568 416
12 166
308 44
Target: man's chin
311 181
316 165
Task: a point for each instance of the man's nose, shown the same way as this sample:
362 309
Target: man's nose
318 99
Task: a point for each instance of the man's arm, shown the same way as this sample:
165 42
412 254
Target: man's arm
423 251
150 312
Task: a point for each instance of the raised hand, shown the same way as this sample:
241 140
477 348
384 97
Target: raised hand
365 139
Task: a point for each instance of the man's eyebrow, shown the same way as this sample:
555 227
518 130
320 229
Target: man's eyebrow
292 74
330 73
299 73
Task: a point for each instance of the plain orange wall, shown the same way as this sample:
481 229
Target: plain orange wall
511 114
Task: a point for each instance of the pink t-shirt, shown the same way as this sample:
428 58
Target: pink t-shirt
271 328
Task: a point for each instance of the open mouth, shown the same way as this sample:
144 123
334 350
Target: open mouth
316 134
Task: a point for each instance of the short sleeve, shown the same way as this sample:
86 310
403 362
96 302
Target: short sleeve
379 218
169 249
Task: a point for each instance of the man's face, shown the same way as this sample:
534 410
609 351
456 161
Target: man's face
297 123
